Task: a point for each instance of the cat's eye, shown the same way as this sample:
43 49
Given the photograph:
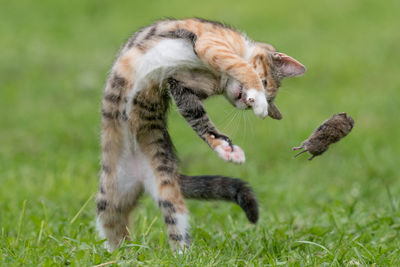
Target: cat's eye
264 82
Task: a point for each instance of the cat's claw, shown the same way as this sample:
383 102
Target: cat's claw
231 154
258 102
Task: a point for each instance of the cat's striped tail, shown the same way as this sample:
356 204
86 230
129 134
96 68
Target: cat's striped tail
221 188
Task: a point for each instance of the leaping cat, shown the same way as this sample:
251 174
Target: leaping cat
187 61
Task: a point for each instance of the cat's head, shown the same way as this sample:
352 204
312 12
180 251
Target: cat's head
271 66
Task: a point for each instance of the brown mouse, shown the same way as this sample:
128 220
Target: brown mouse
329 132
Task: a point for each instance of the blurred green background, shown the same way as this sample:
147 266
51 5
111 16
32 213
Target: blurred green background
341 208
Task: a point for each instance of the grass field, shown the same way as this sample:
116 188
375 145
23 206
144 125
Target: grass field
341 209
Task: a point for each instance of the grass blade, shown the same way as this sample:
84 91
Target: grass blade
315 244
81 209
21 217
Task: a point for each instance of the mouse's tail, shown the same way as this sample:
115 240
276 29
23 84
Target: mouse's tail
221 188
304 151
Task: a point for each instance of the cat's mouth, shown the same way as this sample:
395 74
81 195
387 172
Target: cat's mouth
241 96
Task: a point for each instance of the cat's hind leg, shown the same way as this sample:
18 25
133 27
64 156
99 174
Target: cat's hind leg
164 187
119 188
115 203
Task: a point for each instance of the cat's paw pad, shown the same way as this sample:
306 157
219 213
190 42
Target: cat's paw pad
258 102
225 151
237 156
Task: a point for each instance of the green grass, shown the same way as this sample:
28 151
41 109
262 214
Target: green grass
341 209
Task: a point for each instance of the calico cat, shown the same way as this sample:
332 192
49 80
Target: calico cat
187 61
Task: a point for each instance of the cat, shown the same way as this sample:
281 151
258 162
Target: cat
187 61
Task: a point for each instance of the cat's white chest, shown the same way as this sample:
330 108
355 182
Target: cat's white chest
168 55
162 61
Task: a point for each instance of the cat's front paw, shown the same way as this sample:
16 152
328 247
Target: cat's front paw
231 154
258 102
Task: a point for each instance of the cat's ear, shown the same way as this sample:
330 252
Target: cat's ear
286 66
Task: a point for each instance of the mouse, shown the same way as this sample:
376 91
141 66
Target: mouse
329 132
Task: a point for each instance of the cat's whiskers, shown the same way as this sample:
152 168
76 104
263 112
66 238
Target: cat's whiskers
250 120
238 124
245 126
226 117
231 120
